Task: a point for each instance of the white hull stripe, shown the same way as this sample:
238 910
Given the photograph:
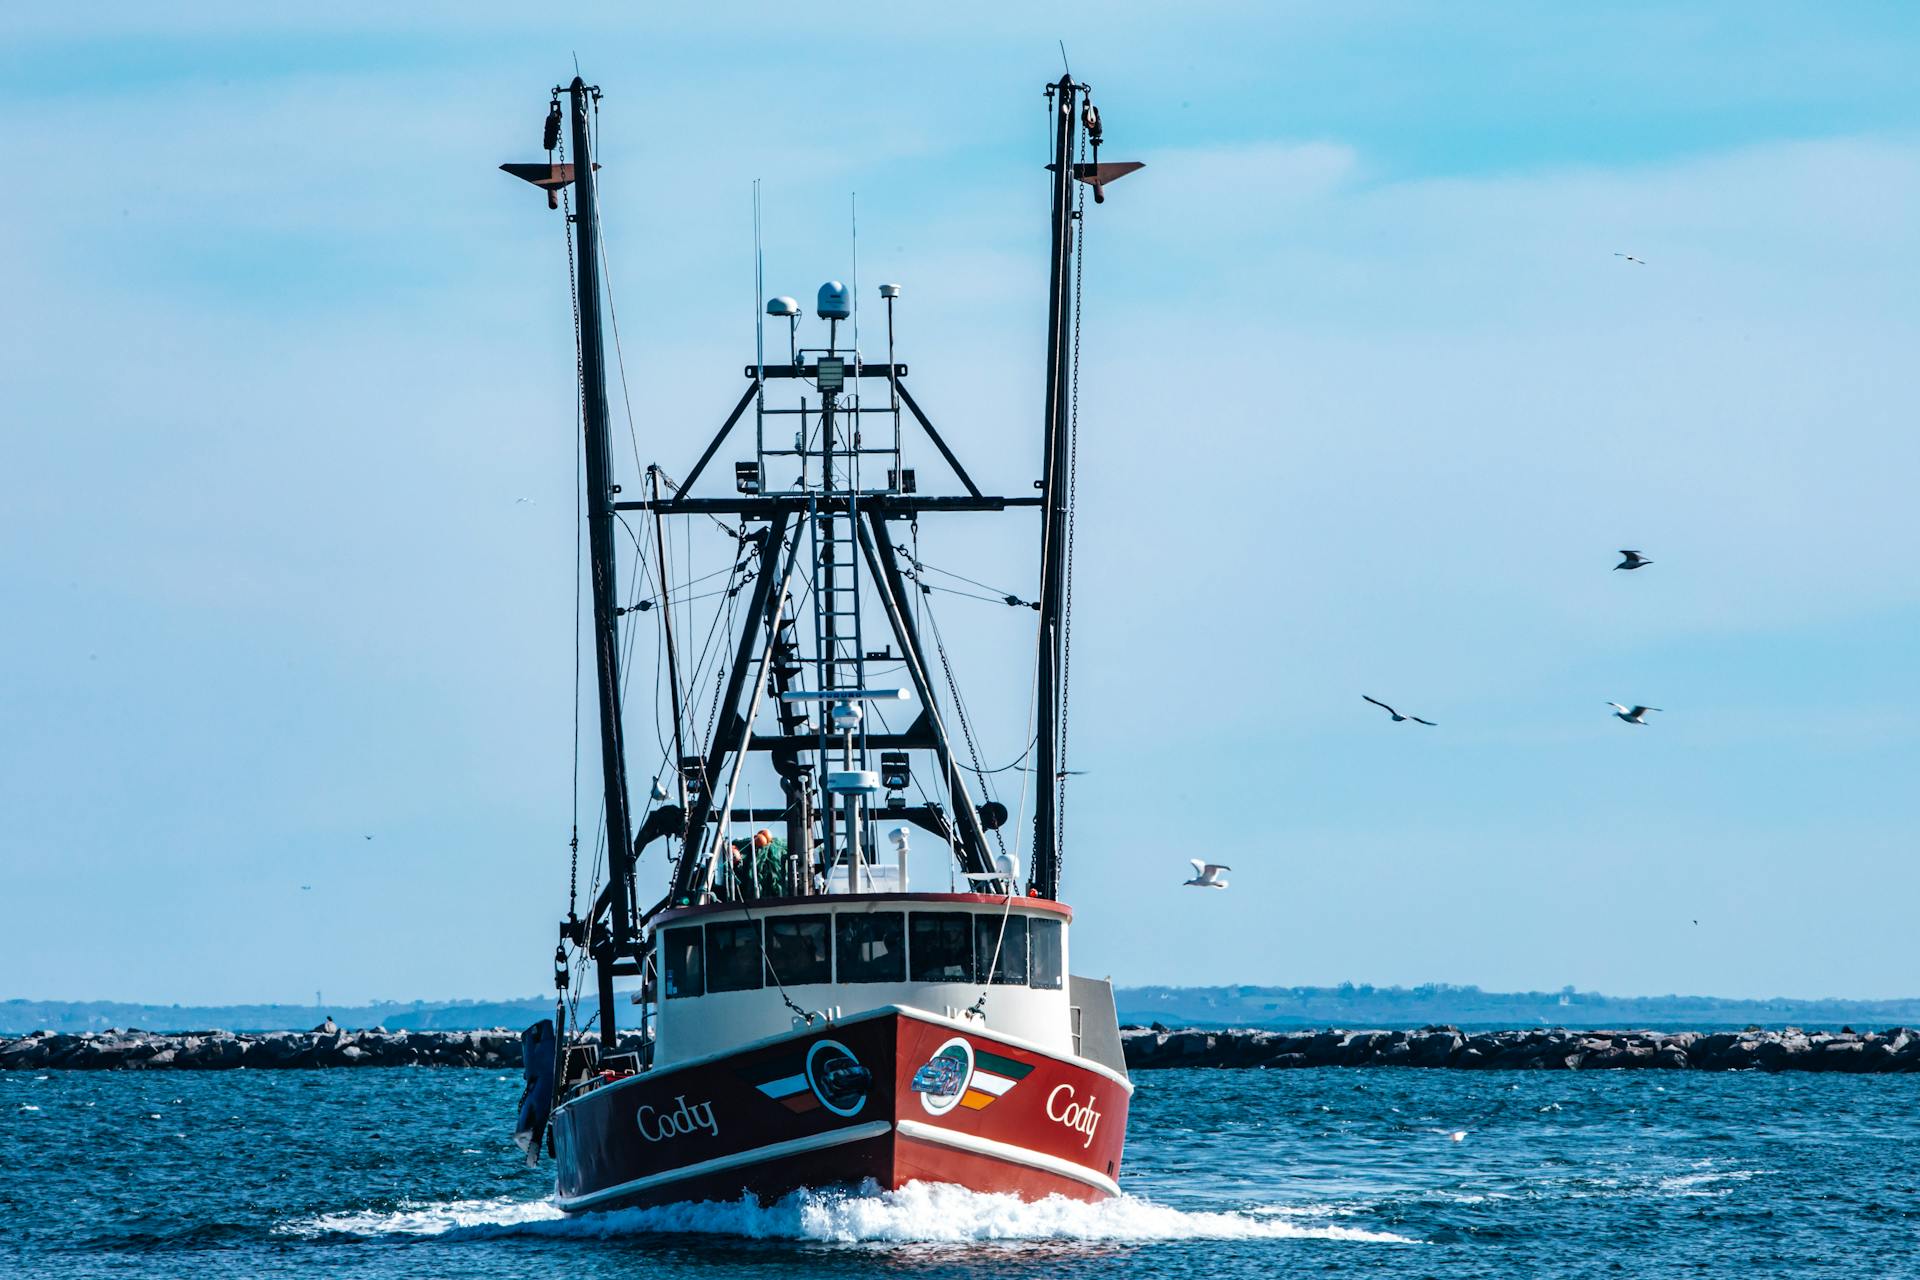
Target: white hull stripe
986 1082
720 1164
1007 1151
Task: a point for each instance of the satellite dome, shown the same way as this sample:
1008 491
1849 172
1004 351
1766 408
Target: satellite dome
782 306
835 303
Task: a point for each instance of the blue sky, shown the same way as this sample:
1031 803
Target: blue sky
1368 403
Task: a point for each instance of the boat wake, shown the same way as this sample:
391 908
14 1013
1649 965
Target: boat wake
921 1213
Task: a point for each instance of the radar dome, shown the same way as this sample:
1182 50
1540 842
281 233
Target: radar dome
835 303
782 306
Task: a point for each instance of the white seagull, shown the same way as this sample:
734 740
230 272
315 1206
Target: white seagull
1630 258
1206 875
1633 560
1397 717
1632 715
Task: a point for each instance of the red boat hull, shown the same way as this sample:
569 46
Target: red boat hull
795 1112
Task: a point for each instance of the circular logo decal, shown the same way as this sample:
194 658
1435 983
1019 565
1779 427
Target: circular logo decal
837 1078
949 1083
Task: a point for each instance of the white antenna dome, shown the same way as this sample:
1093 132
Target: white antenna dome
835 302
889 290
782 306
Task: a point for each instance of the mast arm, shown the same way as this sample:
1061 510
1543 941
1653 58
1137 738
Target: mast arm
700 808
718 439
913 407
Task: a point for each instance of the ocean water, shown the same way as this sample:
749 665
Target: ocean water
411 1173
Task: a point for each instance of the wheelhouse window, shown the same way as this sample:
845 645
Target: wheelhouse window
733 956
1045 967
940 946
684 956
799 950
871 946
1010 968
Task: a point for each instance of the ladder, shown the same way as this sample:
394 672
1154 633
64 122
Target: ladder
838 644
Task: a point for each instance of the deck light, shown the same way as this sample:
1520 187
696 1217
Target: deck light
746 477
830 374
895 773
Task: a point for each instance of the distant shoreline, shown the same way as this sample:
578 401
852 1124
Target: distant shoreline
1277 1008
1896 1050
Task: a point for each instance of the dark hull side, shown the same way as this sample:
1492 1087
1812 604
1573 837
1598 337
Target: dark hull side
770 1120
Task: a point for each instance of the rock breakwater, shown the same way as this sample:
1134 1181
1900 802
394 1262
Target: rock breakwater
1894 1050
272 1050
1792 1049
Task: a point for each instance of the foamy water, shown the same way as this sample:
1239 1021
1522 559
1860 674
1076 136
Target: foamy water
917 1213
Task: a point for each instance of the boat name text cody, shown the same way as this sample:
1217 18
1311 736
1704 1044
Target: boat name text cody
1078 1116
657 1126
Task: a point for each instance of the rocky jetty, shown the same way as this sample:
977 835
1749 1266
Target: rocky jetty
1147 1048
272 1051
1553 1049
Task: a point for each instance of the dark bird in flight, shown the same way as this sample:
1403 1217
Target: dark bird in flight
1630 258
1397 717
1633 560
1632 715
369 837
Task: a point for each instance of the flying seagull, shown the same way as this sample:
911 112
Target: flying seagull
1206 875
1397 717
1632 715
1630 258
1633 560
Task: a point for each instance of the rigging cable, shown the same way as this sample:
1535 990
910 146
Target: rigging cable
579 490
1000 597
1073 483
980 1006
919 617
966 728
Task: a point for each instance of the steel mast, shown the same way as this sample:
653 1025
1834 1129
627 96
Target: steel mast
610 944
1053 538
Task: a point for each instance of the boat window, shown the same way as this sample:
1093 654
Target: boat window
1010 969
1045 969
871 946
941 946
733 956
799 950
685 962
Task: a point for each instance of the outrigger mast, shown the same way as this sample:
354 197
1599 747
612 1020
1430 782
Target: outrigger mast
607 940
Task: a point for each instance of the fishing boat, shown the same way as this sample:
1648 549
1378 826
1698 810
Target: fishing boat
867 983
